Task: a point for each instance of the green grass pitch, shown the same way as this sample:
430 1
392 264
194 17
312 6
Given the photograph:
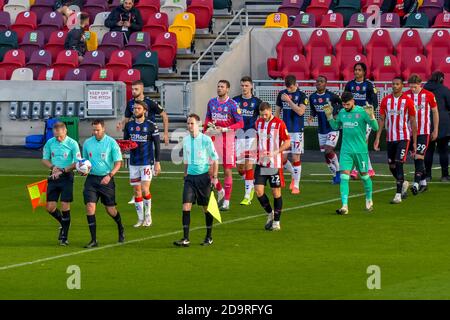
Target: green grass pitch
316 255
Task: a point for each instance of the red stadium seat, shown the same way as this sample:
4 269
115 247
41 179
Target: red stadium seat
318 46
120 60
328 68
148 7
332 20
56 43
157 23
49 74
318 8
369 3
348 46
379 45
438 48
66 60
387 70
203 11
297 66
442 21
128 76
409 46
444 67
25 21
166 47
416 64
289 45
12 60
102 75
2 74
347 64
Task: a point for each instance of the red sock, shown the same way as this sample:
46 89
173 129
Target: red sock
136 199
296 163
228 187
148 196
249 174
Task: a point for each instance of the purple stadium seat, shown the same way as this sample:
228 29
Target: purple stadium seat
390 20
431 8
92 61
40 7
139 41
111 41
304 20
76 75
92 7
32 41
51 21
5 21
358 20
114 4
291 7
39 59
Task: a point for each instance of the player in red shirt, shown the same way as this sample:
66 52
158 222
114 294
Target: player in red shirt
396 110
272 138
424 102
223 118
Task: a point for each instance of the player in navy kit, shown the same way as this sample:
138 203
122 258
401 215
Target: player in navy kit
145 133
364 93
246 137
328 137
292 102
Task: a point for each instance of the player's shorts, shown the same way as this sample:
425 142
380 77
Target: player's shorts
197 189
368 131
297 142
328 139
273 175
397 151
359 161
62 188
246 150
94 190
139 174
422 144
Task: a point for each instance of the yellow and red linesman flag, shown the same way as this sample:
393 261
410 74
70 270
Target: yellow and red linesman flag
38 193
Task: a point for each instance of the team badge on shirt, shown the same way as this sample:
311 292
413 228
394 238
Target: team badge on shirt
103 155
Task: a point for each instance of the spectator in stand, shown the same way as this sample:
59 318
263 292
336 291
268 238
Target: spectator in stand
64 7
404 8
125 18
75 38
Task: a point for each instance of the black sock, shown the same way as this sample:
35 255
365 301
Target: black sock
118 220
57 215
277 205
265 203
92 227
209 223
393 171
65 222
186 223
400 176
419 165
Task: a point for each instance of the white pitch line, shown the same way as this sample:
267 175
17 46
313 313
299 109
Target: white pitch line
12 266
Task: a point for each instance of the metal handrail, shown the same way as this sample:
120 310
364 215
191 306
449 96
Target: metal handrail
211 46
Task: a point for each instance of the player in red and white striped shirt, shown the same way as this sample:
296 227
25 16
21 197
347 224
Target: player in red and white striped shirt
424 103
396 110
273 138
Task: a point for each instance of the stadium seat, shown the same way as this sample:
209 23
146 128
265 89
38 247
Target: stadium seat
76 75
94 7
147 64
442 21
291 7
438 48
318 46
332 20
119 60
379 45
157 23
318 8
387 70
276 20
184 28
408 46
65 60
2 3
8 41
290 44
444 67
41 7
328 67
172 8
92 61
39 59
102 75
91 40
99 25
14 7
431 8
358 20
32 41
51 21
203 11
348 46
347 8
416 64
114 4
2 74
128 76
165 47
22 74
26 21
148 7
297 66
5 21
13 59
417 20
49 74
56 43
112 41
139 41
347 64
304 20
390 20
369 3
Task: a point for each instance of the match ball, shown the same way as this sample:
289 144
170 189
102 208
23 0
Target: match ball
83 166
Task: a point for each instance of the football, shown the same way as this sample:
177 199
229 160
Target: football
83 166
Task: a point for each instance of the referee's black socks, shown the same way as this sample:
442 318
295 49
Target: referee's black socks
186 223
264 201
65 223
118 220
277 205
209 223
92 227
57 215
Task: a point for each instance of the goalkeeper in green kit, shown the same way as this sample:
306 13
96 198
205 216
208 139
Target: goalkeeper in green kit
353 120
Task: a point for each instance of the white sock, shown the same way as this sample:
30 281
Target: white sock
288 166
297 174
226 203
423 182
139 209
248 187
147 207
335 162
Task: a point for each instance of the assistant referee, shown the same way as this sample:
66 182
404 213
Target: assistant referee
104 154
198 152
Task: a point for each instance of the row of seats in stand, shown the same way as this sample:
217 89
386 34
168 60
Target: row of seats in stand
383 59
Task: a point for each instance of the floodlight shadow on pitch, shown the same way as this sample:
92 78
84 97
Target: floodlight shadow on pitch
48 110
25 110
13 110
36 110
59 109
81 110
70 109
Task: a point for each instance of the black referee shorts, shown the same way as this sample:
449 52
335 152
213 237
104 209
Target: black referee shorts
197 189
60 188
94 190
